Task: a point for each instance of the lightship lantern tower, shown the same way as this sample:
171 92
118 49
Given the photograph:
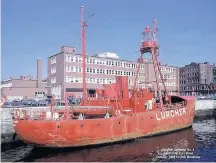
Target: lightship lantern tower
150 45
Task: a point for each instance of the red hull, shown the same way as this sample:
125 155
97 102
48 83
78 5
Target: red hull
129 152
72 133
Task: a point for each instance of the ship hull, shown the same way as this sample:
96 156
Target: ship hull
75 133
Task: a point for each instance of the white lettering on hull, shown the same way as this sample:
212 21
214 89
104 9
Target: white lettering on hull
170 114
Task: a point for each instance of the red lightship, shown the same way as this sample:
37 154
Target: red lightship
114 115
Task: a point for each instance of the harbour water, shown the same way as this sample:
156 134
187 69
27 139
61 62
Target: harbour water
194 144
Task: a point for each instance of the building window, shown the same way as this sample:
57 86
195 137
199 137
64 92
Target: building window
53 80
67 79
53 70
67 68
68 58
93 80
87 80
53 60
76 59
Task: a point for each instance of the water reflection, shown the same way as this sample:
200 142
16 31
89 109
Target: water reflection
145 149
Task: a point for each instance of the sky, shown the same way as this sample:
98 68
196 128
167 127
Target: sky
34 29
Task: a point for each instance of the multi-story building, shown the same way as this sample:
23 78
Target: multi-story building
196 78
25 86
65 72
214 74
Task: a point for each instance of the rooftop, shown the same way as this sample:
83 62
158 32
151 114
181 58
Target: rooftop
106 55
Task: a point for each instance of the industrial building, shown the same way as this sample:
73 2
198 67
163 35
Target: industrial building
197 79
25 86
65 72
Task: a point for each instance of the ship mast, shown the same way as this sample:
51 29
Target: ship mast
156 58
83 25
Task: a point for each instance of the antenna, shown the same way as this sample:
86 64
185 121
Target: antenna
155 29
88 18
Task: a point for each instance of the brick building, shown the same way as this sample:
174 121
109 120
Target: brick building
65 68
25 86
196 78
